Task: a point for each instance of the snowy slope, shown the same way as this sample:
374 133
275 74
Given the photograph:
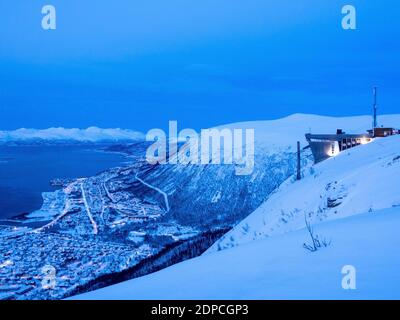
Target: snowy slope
92 134
363 179
279 268
213 194
360 186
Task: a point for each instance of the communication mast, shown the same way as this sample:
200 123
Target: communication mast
375 124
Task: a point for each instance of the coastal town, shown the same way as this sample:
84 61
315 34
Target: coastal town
89 228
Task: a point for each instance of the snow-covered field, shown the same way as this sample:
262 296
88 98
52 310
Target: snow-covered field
352 200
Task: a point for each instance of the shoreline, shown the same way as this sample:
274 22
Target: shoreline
20 218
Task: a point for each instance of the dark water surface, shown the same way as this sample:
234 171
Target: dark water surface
25 172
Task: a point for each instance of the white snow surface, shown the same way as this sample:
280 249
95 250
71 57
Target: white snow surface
279 268
359 180
91 134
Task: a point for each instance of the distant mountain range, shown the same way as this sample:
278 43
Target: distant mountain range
63 135
280 132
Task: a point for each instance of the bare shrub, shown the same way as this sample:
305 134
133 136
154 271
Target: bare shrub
316 242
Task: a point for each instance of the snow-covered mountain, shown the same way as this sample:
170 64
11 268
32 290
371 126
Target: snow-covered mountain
286 131
352 200
57 135
213 194
363 179
280 133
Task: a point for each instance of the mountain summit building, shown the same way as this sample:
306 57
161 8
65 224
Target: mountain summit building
324 146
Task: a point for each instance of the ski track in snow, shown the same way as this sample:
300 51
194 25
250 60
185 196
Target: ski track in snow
156 189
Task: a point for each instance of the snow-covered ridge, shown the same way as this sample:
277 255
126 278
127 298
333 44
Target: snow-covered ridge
359 180
287 131
91 134
281 132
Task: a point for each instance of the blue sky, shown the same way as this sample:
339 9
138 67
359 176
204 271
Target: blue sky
138 64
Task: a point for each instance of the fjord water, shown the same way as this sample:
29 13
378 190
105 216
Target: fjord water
25 172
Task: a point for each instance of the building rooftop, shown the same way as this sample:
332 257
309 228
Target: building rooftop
336 137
